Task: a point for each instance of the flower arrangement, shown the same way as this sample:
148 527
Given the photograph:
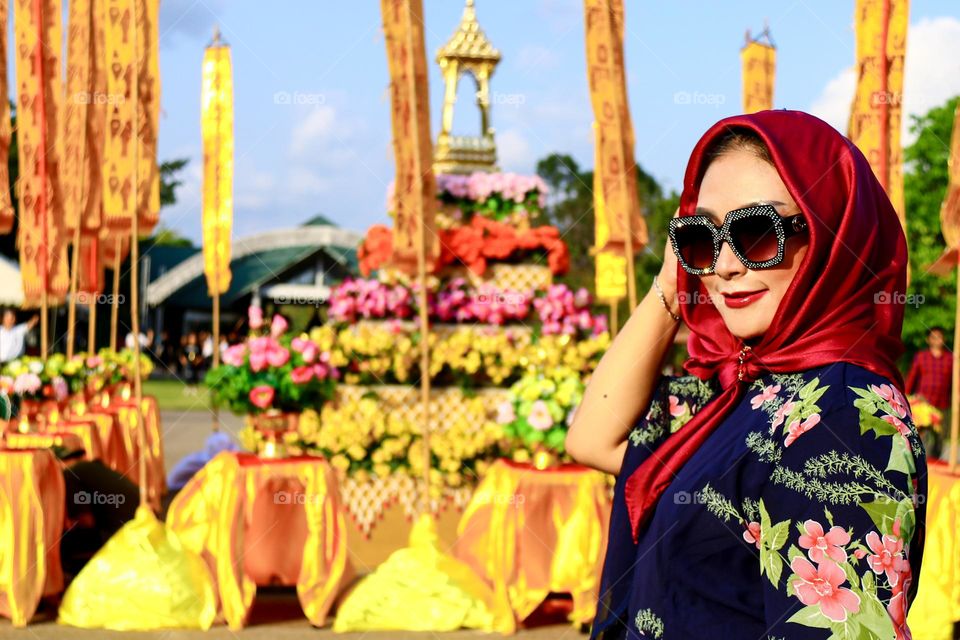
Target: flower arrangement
469 356
564 312
365 298
360 437
474 245
272 371
456 301
35 379
541 409
115 367
499 196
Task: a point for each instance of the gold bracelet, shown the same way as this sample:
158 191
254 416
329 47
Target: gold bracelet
663 300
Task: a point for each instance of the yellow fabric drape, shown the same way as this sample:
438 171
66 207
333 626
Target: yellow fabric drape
6 201
79 98
31 523
43 248
148 113
875 115
937 605
415 184
64 439
611 265
759 62
143 579
121 144
128 417
217 128
529 533
615 169
215 510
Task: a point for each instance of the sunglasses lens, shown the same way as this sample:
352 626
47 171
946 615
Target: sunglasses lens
755 237
695 243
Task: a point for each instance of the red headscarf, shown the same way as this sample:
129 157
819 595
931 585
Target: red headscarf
844 304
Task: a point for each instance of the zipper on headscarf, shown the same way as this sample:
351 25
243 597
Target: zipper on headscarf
740 366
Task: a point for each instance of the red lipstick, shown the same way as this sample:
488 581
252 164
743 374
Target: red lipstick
740 299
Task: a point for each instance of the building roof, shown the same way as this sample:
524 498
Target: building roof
469 42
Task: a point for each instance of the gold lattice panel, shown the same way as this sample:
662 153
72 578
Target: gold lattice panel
507 277
367 501
446 403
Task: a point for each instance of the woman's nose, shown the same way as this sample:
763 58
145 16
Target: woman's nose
728 264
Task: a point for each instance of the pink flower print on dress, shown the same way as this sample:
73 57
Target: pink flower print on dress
887 557
677 409
822 545
769 392
782 413
797 428
821 586
892 395
752 534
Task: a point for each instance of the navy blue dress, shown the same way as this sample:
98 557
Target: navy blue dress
799 517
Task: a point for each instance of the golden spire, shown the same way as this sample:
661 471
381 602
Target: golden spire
469 42
467 51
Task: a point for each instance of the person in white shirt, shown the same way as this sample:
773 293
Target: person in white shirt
144 341
12 335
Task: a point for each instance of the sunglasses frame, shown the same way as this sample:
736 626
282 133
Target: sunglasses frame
785 227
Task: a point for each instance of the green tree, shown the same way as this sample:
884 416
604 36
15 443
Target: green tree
925 184
169 181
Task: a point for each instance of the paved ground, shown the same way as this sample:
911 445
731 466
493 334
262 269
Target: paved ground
276 612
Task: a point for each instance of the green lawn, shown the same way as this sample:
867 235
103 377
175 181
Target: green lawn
174 395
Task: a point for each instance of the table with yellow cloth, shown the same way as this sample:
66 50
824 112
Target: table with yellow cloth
530 532
65 439
128 458
266 521
32 511
936 607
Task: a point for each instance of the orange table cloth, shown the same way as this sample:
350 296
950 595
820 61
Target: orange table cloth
65 439
936 607
258 522
127 416
32 511
530 532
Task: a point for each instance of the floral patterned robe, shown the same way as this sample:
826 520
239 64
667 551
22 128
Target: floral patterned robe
801 516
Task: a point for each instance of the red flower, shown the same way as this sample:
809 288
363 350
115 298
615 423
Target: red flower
375 249
821 586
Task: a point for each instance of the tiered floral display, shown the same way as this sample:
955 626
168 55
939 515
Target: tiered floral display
509 355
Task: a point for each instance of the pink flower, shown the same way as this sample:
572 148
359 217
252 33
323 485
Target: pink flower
892 395
261 396
902 428
540 418
782 413
94 361
278 326
259 347
769 392
677 409
887 557
897 610
302 375
752 533
797 428
255 317
278 356
60 388
28 383
306 348
821 586
822 544
235 354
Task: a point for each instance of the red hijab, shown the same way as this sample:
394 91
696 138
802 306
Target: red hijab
857 254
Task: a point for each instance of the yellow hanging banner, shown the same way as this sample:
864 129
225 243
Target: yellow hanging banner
79 98
217 130
876 111
759 60
611 265
415 184
120 146
43 251
615 168
6 201
148 114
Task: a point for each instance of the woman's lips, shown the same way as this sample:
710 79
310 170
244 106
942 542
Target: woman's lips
740 299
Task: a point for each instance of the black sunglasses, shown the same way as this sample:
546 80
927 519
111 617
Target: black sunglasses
756 235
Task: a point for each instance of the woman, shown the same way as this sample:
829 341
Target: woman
776 491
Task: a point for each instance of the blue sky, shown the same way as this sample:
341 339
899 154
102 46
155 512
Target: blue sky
328 149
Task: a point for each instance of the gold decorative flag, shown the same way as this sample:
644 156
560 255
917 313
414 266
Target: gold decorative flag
109 246
615 169
611 265
79 99
759 61
875 115
92 217
120 147
416 192
6 204
950 209
148 113
90 273
217 124
43 251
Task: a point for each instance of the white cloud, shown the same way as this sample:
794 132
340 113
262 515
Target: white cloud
535 58
932 75
301 181
514 152
313 130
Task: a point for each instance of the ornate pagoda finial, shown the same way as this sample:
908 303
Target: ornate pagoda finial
467 51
